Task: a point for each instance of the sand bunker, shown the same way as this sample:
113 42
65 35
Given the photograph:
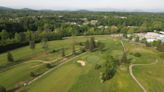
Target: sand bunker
81 62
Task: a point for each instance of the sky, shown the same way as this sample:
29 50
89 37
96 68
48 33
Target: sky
84 4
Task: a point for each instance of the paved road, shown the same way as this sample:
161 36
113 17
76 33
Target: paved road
134 78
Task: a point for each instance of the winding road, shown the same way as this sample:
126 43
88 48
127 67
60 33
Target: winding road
134 78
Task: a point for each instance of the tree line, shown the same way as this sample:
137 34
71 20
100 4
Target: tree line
33 26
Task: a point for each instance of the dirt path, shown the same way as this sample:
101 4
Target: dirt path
134 78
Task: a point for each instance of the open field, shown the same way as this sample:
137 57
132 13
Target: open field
71 77
17 73
23 70
38 53
75 78
87 78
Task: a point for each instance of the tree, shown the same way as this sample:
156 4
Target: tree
110 68
156 43
63 52
4 35
17 37
114 29
161 47
143 27
87 44
144 40
137 39
92 43
29 35
73 45
44 44
32 44
10 57
124 58
23 37
73 49
157 25
131 30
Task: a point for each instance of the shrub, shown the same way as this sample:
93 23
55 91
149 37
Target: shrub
10 57
101 46
49 65
2 89
82 49
137 54
97 66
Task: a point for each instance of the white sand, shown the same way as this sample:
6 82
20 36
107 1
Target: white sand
81 62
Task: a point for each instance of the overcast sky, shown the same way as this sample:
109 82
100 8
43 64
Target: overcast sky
84 4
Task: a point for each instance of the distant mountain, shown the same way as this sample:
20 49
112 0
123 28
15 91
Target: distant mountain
27 9
5 8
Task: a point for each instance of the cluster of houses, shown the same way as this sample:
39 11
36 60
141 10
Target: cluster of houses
152 36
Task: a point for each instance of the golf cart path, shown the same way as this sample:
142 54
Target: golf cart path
64 61
134 78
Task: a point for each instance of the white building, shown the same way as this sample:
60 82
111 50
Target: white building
151 36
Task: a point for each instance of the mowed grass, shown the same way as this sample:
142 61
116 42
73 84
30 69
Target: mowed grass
27 53
21 72
71 77
17 74
151 76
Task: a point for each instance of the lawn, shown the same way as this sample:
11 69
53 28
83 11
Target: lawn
152 76
17 74
25 53
71 77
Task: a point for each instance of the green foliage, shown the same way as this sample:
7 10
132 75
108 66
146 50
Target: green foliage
10 57
97 66
92 44
44 44
160 47
137 54
39 71
110 68
32 44
131 30
82 49
124 58
2 89
63 52
137 39
114 29
17 37
49 65
156 43
4 35
100 46
144 41
73 49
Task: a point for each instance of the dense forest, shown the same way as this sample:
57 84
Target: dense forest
21 27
